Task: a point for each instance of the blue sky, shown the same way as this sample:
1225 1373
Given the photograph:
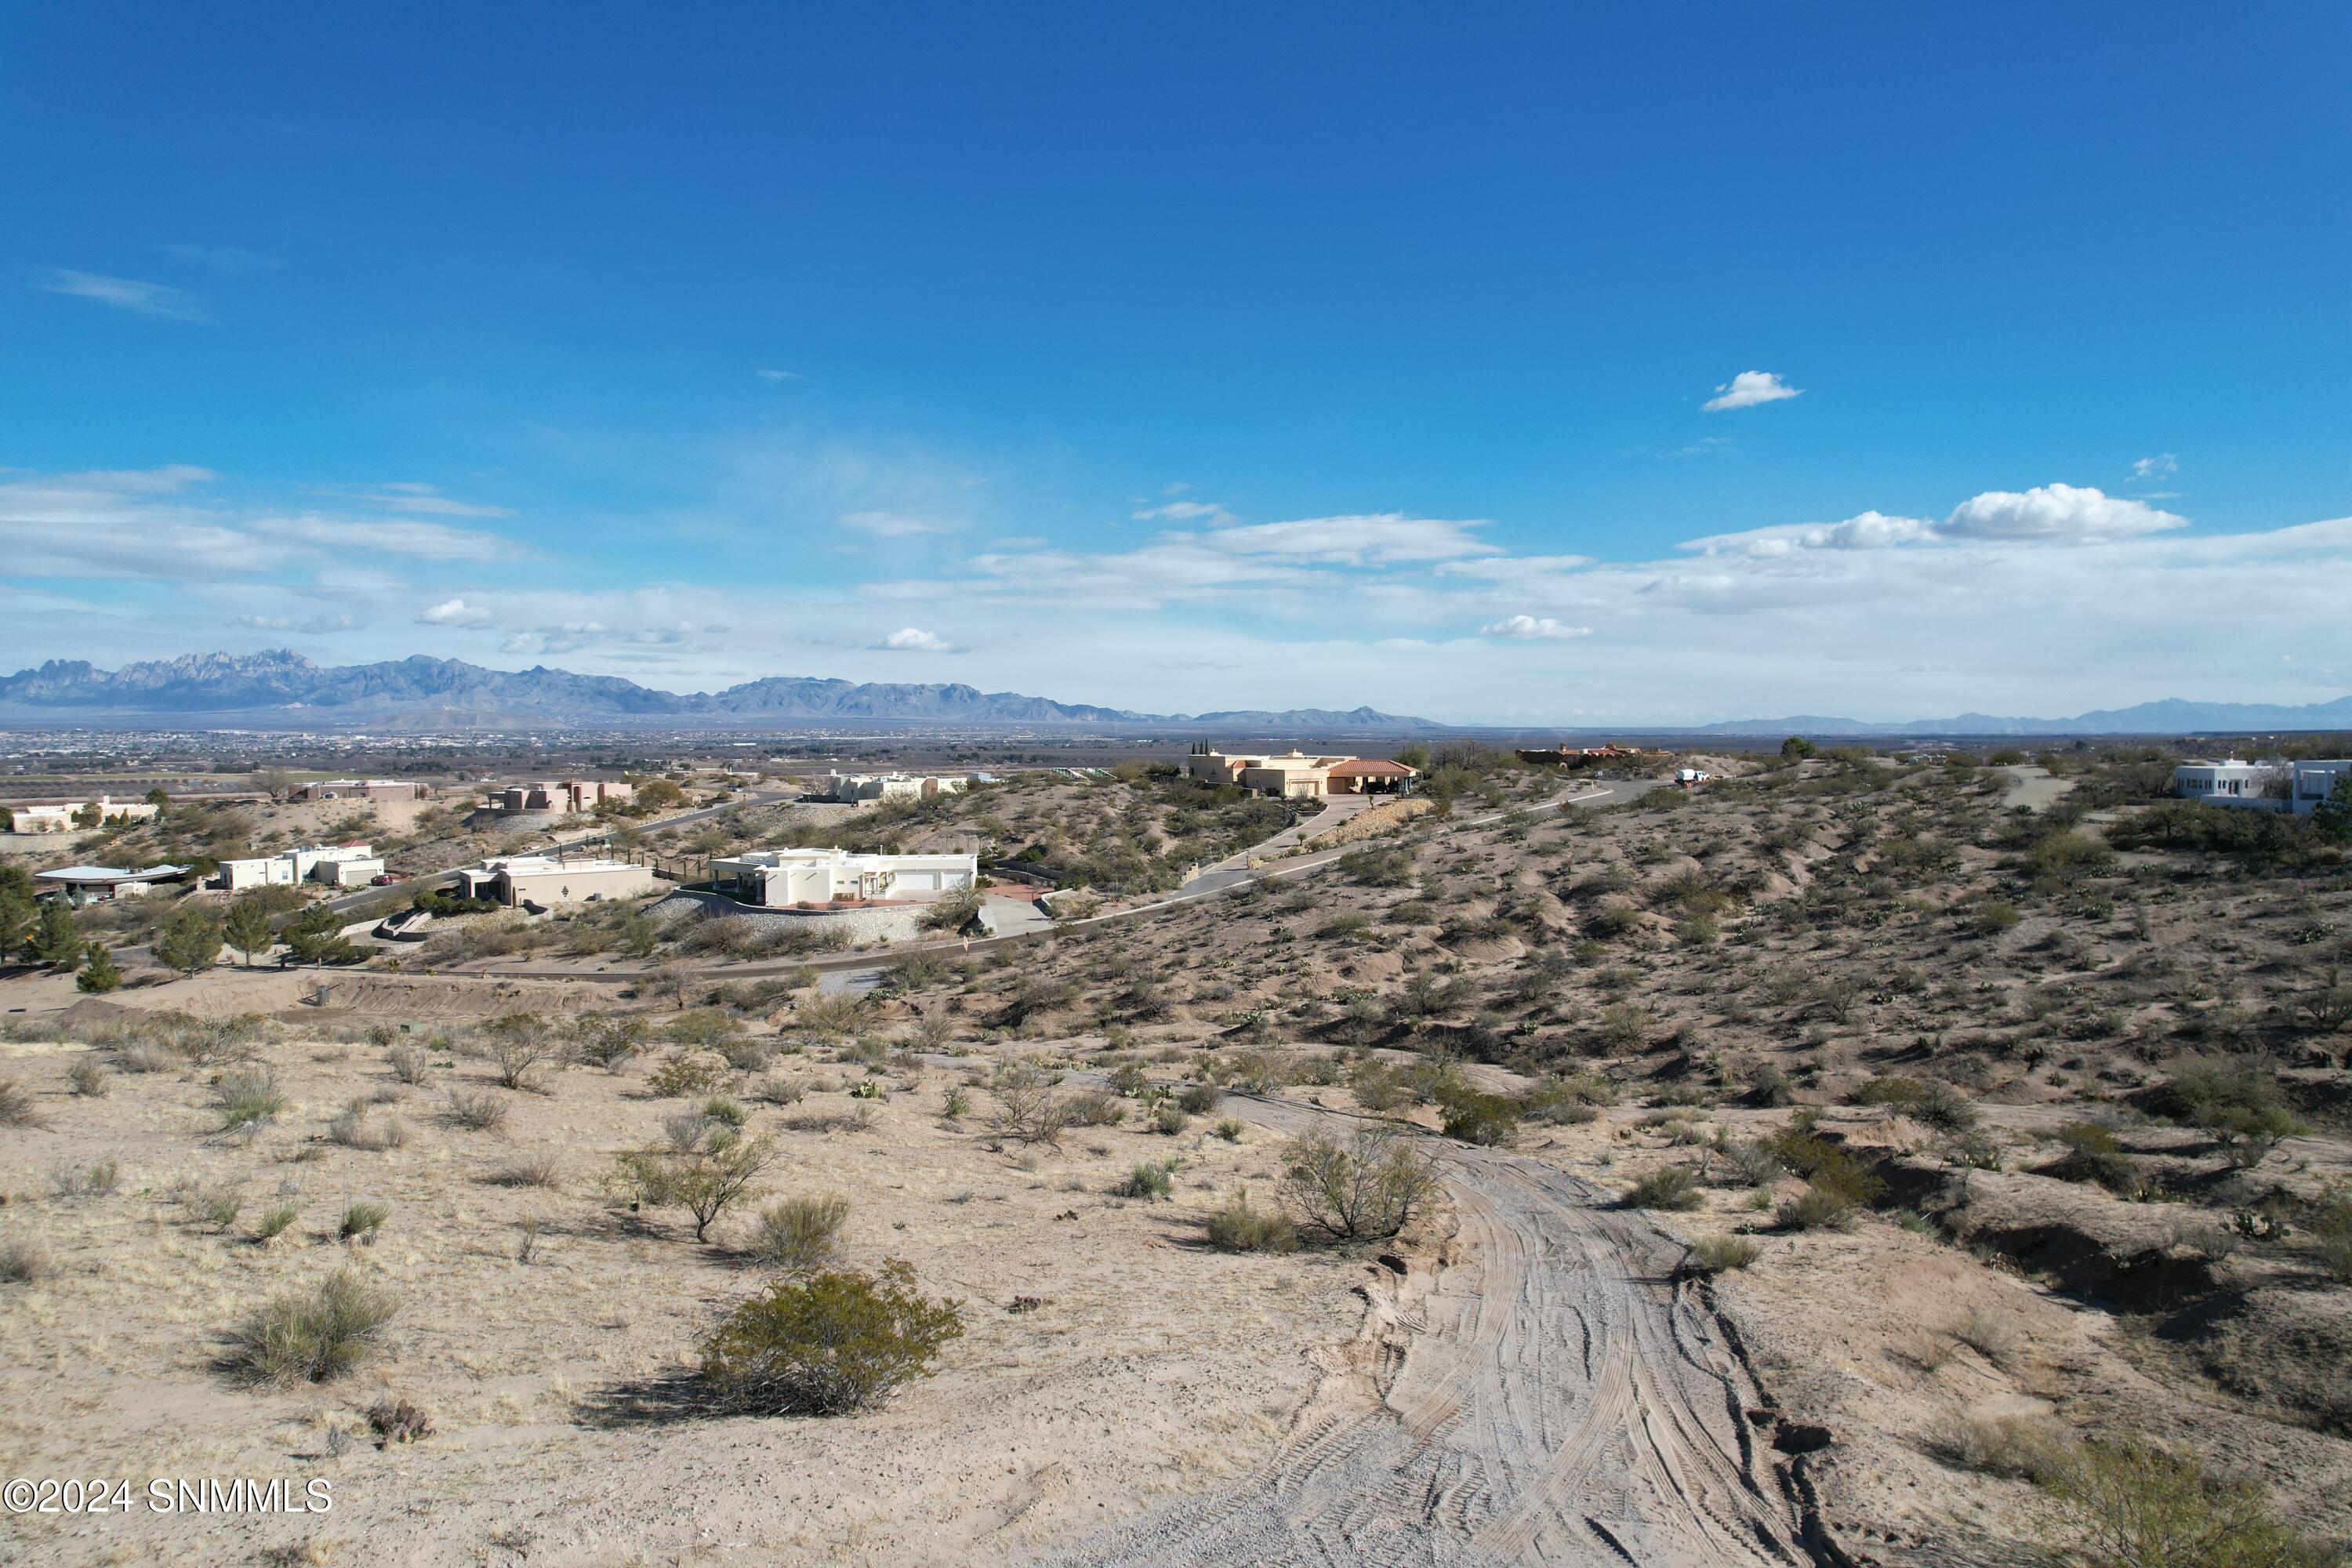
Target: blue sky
1194 357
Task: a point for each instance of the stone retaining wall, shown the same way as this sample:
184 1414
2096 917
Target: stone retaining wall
898 922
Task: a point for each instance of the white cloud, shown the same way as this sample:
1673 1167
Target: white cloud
894 524
1538 628
227 260
128 294
2055 512
316 626
1748 389
419 540
914 639
777 374
423 498
1382 538
454 613
1185 512
2162 463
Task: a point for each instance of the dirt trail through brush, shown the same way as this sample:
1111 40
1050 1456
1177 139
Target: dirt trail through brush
1550 1394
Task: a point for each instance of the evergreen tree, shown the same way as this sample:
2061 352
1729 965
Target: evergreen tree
190 942
56 935
248 929
16 911
2332 818
99 975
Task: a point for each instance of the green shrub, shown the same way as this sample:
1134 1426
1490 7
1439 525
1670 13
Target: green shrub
1819 1207
2129 1504
363 1220
1231 1128
1993 916
836 1342
799 1234
704 1177
686 1073
2093 1155
1489 1119
1669 1187
1150 1180
1370 1186
276 1221
315 1335
1238 1227
1199 1099
1721 1253
1169 1117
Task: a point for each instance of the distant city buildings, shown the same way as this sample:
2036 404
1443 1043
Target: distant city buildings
781 879
1295 775
336 864
61 818
2295 786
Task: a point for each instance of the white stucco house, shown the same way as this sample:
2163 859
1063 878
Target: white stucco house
872 789
60 818
2296 786
336 864
781 879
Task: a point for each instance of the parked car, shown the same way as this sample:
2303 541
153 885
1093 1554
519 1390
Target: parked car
386 879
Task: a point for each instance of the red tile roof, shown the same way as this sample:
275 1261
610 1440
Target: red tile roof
1374 767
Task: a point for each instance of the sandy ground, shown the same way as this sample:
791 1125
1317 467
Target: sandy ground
1152 1365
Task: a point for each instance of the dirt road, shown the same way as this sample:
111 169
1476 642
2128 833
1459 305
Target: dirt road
1548 1395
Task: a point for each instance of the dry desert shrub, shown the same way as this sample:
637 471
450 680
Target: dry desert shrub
248 1097
314 1335
475 1109
1671 1187
799 1234
16 1107
1722 1254
409 1063
95 1179
1989 1334
1239 1227
1028 1107
687 1073
276 1221
540 1169
22 1263
352 1130
1370 1186
89 1078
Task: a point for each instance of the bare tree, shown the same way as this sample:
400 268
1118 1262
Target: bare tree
1368 1187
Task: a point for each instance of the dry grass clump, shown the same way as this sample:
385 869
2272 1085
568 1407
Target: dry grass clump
1150 1180
16 1107
314 1335
24 1263
1238 1227
363 1220
1670 1187
477 1110
799 1234
1722 1254
95 1179
248 1097
276 1221
352 1130
540 1169
217 1206
1991 1337
409 1063
89 1078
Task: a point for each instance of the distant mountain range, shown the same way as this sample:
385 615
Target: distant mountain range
2172 716
283 688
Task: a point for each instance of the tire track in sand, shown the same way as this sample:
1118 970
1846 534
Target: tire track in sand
1559 1399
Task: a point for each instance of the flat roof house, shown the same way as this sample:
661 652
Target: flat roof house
780 879
2230 781
1295 775
336 864
548 880
868 789
363 789
60 818
83 884
571 796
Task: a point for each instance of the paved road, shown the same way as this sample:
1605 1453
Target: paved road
1208 885
1557 1394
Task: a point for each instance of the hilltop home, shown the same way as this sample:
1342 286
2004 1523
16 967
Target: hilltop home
780 879
336 864
1294 775
870 789
550 879
84 884
363 789
2298 787
60 818
569 796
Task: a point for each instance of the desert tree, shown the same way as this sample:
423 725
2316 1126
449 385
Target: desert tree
247 929
190 942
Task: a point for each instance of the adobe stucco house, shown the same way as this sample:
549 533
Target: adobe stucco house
1294 775
548 881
